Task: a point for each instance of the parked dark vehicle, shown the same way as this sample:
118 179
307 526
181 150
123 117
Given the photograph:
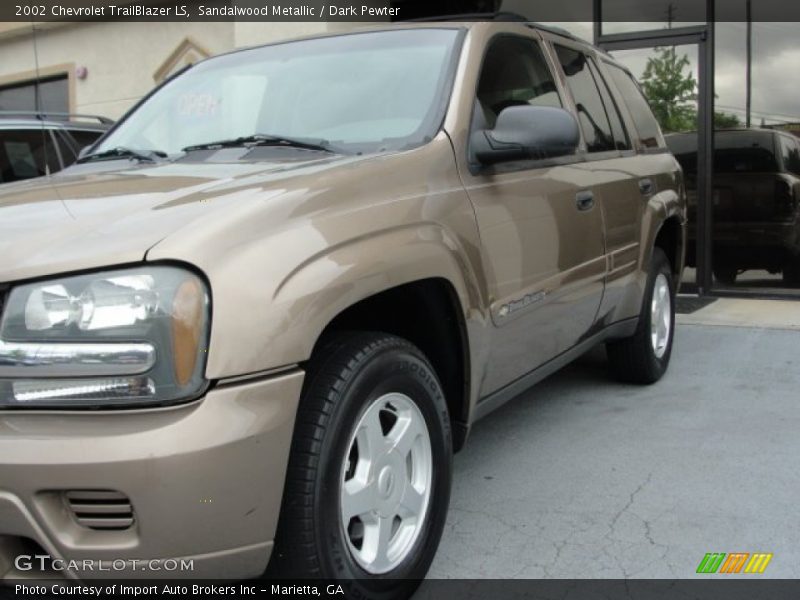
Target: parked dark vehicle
756 224
34 144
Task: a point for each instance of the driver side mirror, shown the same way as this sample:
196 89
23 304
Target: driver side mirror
526 132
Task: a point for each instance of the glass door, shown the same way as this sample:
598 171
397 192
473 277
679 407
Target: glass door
669 78
672 67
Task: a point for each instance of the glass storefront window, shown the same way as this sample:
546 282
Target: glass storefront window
756 200
668 79
53 96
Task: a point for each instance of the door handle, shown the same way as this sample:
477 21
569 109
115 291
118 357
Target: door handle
646 186
584 200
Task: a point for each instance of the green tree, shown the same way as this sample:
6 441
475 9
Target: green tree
726 121
671 89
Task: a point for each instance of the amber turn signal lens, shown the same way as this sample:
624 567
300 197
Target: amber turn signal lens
187 326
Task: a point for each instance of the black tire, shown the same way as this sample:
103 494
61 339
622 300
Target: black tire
634 359
348 373
726 275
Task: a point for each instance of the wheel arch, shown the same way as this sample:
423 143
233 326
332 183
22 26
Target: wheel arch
670 239
665 227
426 313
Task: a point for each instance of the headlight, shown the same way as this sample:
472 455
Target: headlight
121 338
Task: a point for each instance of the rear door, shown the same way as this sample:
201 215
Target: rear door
541 232
648 171
610 161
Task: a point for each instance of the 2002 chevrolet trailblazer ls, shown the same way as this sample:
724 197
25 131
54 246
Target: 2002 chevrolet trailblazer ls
255 321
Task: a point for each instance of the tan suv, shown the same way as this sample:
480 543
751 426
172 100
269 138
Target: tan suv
255 322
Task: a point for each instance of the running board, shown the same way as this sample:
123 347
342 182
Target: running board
495 400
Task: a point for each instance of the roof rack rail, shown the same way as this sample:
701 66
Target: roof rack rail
557 30
62 116
498 16
488 16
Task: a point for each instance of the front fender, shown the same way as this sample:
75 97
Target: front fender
299 250
273 317
314 293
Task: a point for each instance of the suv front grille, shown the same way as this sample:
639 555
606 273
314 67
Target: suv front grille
101 510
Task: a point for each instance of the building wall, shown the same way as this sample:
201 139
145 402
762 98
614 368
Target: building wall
123 59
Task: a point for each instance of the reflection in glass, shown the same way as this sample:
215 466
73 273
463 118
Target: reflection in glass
756 185
668 78
755 221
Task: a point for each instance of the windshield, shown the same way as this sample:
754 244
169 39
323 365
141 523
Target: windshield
363 92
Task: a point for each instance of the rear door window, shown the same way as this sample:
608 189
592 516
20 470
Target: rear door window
26 153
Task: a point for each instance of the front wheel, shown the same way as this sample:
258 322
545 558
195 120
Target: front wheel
368 482
644 357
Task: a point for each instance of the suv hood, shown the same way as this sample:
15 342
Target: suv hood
99 214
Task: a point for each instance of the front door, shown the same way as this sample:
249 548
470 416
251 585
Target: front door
541 229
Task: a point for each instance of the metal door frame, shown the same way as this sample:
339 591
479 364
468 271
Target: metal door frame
703 37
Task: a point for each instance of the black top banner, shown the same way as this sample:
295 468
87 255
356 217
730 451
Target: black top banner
675 13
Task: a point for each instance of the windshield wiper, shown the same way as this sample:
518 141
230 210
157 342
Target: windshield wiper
261 139
123 152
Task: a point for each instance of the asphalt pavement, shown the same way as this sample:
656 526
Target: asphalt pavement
583 477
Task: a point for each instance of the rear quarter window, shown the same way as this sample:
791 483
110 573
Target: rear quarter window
649 132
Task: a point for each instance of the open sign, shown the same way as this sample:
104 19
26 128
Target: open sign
198 105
